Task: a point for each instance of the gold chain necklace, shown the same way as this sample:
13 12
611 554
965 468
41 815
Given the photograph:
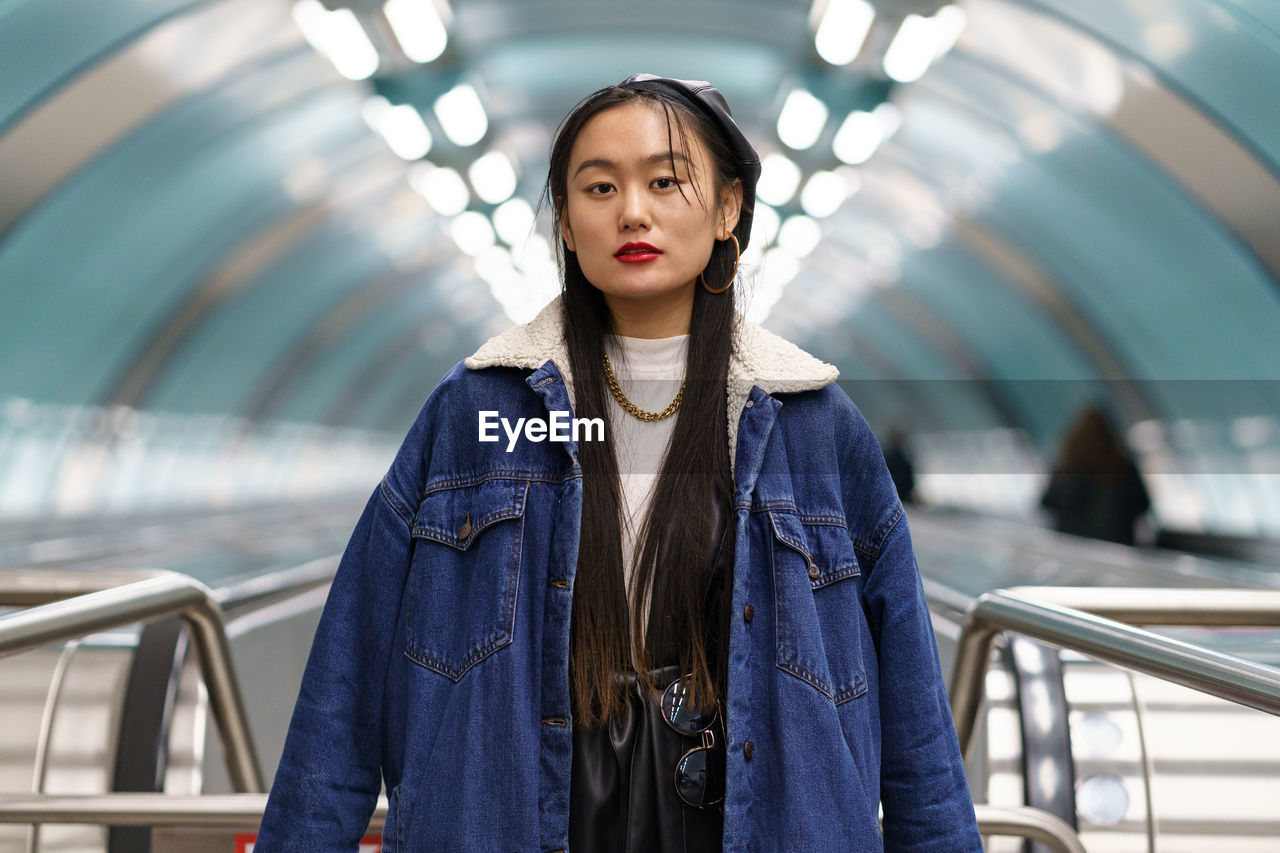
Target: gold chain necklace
631 407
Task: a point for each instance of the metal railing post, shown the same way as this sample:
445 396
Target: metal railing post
1226 676
160 594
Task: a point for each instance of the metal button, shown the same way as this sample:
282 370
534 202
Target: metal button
465 530
814 571
748 749
748 613
750 403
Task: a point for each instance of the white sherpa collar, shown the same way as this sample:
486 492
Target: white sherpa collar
760 357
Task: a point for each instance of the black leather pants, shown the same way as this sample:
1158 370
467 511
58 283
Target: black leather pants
622 794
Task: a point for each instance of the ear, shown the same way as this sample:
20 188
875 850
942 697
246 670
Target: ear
730 208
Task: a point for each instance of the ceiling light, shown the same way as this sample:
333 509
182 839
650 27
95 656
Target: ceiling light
950 20
492 177
823 194
913 48
799 235
417 27
513 220
401 126
462 115
779 178
843 30
472 232
338 35
802 118
859 136
443 188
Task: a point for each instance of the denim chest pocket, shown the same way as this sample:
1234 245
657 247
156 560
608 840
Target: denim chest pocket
465 575
818 604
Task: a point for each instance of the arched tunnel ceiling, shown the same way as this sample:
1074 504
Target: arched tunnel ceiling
1080 199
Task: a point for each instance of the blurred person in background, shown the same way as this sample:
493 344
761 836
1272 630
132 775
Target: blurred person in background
1095 488
901 468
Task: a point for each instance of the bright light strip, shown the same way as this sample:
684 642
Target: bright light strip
492 177
513 220
312 19
913 48
801 121
950 20
462 115
799 235
823 194
843 30
890 118
417 27
858 137
443 188
472 232
401 126
339 36
779 178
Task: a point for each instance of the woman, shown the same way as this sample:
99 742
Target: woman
489 645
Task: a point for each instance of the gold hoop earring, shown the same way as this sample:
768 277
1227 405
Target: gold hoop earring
737 256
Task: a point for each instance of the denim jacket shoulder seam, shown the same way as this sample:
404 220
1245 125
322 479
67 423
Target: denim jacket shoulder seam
883 531
396 502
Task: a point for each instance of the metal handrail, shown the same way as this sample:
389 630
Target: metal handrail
148 809
1030 823
157 595
1225 676
236 811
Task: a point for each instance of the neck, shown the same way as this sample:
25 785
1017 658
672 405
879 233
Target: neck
661 316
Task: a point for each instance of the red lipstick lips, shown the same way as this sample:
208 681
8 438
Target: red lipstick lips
634 253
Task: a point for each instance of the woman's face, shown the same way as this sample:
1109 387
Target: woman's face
622 190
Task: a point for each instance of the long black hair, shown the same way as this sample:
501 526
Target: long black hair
674 542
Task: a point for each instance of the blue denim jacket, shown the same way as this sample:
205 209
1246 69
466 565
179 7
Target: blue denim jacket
441 658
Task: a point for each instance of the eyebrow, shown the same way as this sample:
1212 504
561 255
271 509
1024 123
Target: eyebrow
660 157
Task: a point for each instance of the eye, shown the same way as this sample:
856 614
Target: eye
671 182
591 190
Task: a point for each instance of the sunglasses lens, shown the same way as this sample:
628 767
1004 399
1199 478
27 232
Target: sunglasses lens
700 777
683 715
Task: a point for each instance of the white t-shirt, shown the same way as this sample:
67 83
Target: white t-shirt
649 371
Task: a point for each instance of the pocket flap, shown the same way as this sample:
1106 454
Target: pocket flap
824 545
456 515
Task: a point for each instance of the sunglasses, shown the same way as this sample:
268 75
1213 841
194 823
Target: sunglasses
700 772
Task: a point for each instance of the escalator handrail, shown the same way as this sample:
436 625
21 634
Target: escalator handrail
237 811
1026 611
1030 823
154 595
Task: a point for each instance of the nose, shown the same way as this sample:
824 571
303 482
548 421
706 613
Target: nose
634 213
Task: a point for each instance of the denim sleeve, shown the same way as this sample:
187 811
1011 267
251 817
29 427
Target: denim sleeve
329 776
923 788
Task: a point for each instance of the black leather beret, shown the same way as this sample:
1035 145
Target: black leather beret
707 101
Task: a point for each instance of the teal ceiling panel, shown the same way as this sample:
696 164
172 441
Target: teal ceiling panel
1215 56
226 357
1039 369
46 42
1259 15
148 222
934 392
1141 251
311 395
